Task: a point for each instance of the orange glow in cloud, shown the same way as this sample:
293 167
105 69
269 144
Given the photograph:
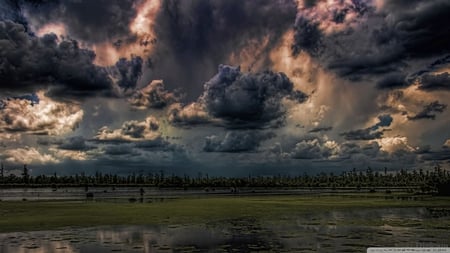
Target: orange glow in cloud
56 28
146 14
323 13
142 27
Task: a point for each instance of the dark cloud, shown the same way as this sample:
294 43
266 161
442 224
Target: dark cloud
362 134
28 63
45 141
385 120
120 150
378 42
435 66
90 21
154 95
195 36
314 149
157 144
429 111
320 129
369 133
236 142
350 149
307 36
11 10
246 99
129 71
392 81
437 155
421 31
432 82
76 143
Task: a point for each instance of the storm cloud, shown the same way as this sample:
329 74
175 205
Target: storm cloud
247 99
395 34
224 87
29 63
193 37
90 21
430 82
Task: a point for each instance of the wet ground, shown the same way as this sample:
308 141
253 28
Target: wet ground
326 231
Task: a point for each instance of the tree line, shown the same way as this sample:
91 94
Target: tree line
437 179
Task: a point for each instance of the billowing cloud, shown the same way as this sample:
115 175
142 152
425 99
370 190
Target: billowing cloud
350 150
131 131
315 149
235 141
29 63
308 84
154 95
28 155
47 117
193 37
192 114
128 71
388 35
247 99
429 111
393 144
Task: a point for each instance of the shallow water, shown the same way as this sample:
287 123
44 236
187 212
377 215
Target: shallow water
333 231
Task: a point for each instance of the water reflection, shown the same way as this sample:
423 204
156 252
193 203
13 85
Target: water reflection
329 231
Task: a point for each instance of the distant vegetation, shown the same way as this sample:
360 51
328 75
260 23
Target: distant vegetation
429 181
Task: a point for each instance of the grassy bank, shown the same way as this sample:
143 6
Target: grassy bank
44 215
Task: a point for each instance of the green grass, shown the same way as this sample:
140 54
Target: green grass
45 215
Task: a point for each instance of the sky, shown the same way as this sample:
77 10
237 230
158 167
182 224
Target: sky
224 87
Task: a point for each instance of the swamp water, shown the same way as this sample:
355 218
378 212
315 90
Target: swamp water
328 231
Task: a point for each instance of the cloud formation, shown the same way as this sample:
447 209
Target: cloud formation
48 117
315 149
76 143
371 132
131 131
193 37
389 33
235 141
61 65
154 96
429 111
28 155
433 82
90 21
247 99
192 114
